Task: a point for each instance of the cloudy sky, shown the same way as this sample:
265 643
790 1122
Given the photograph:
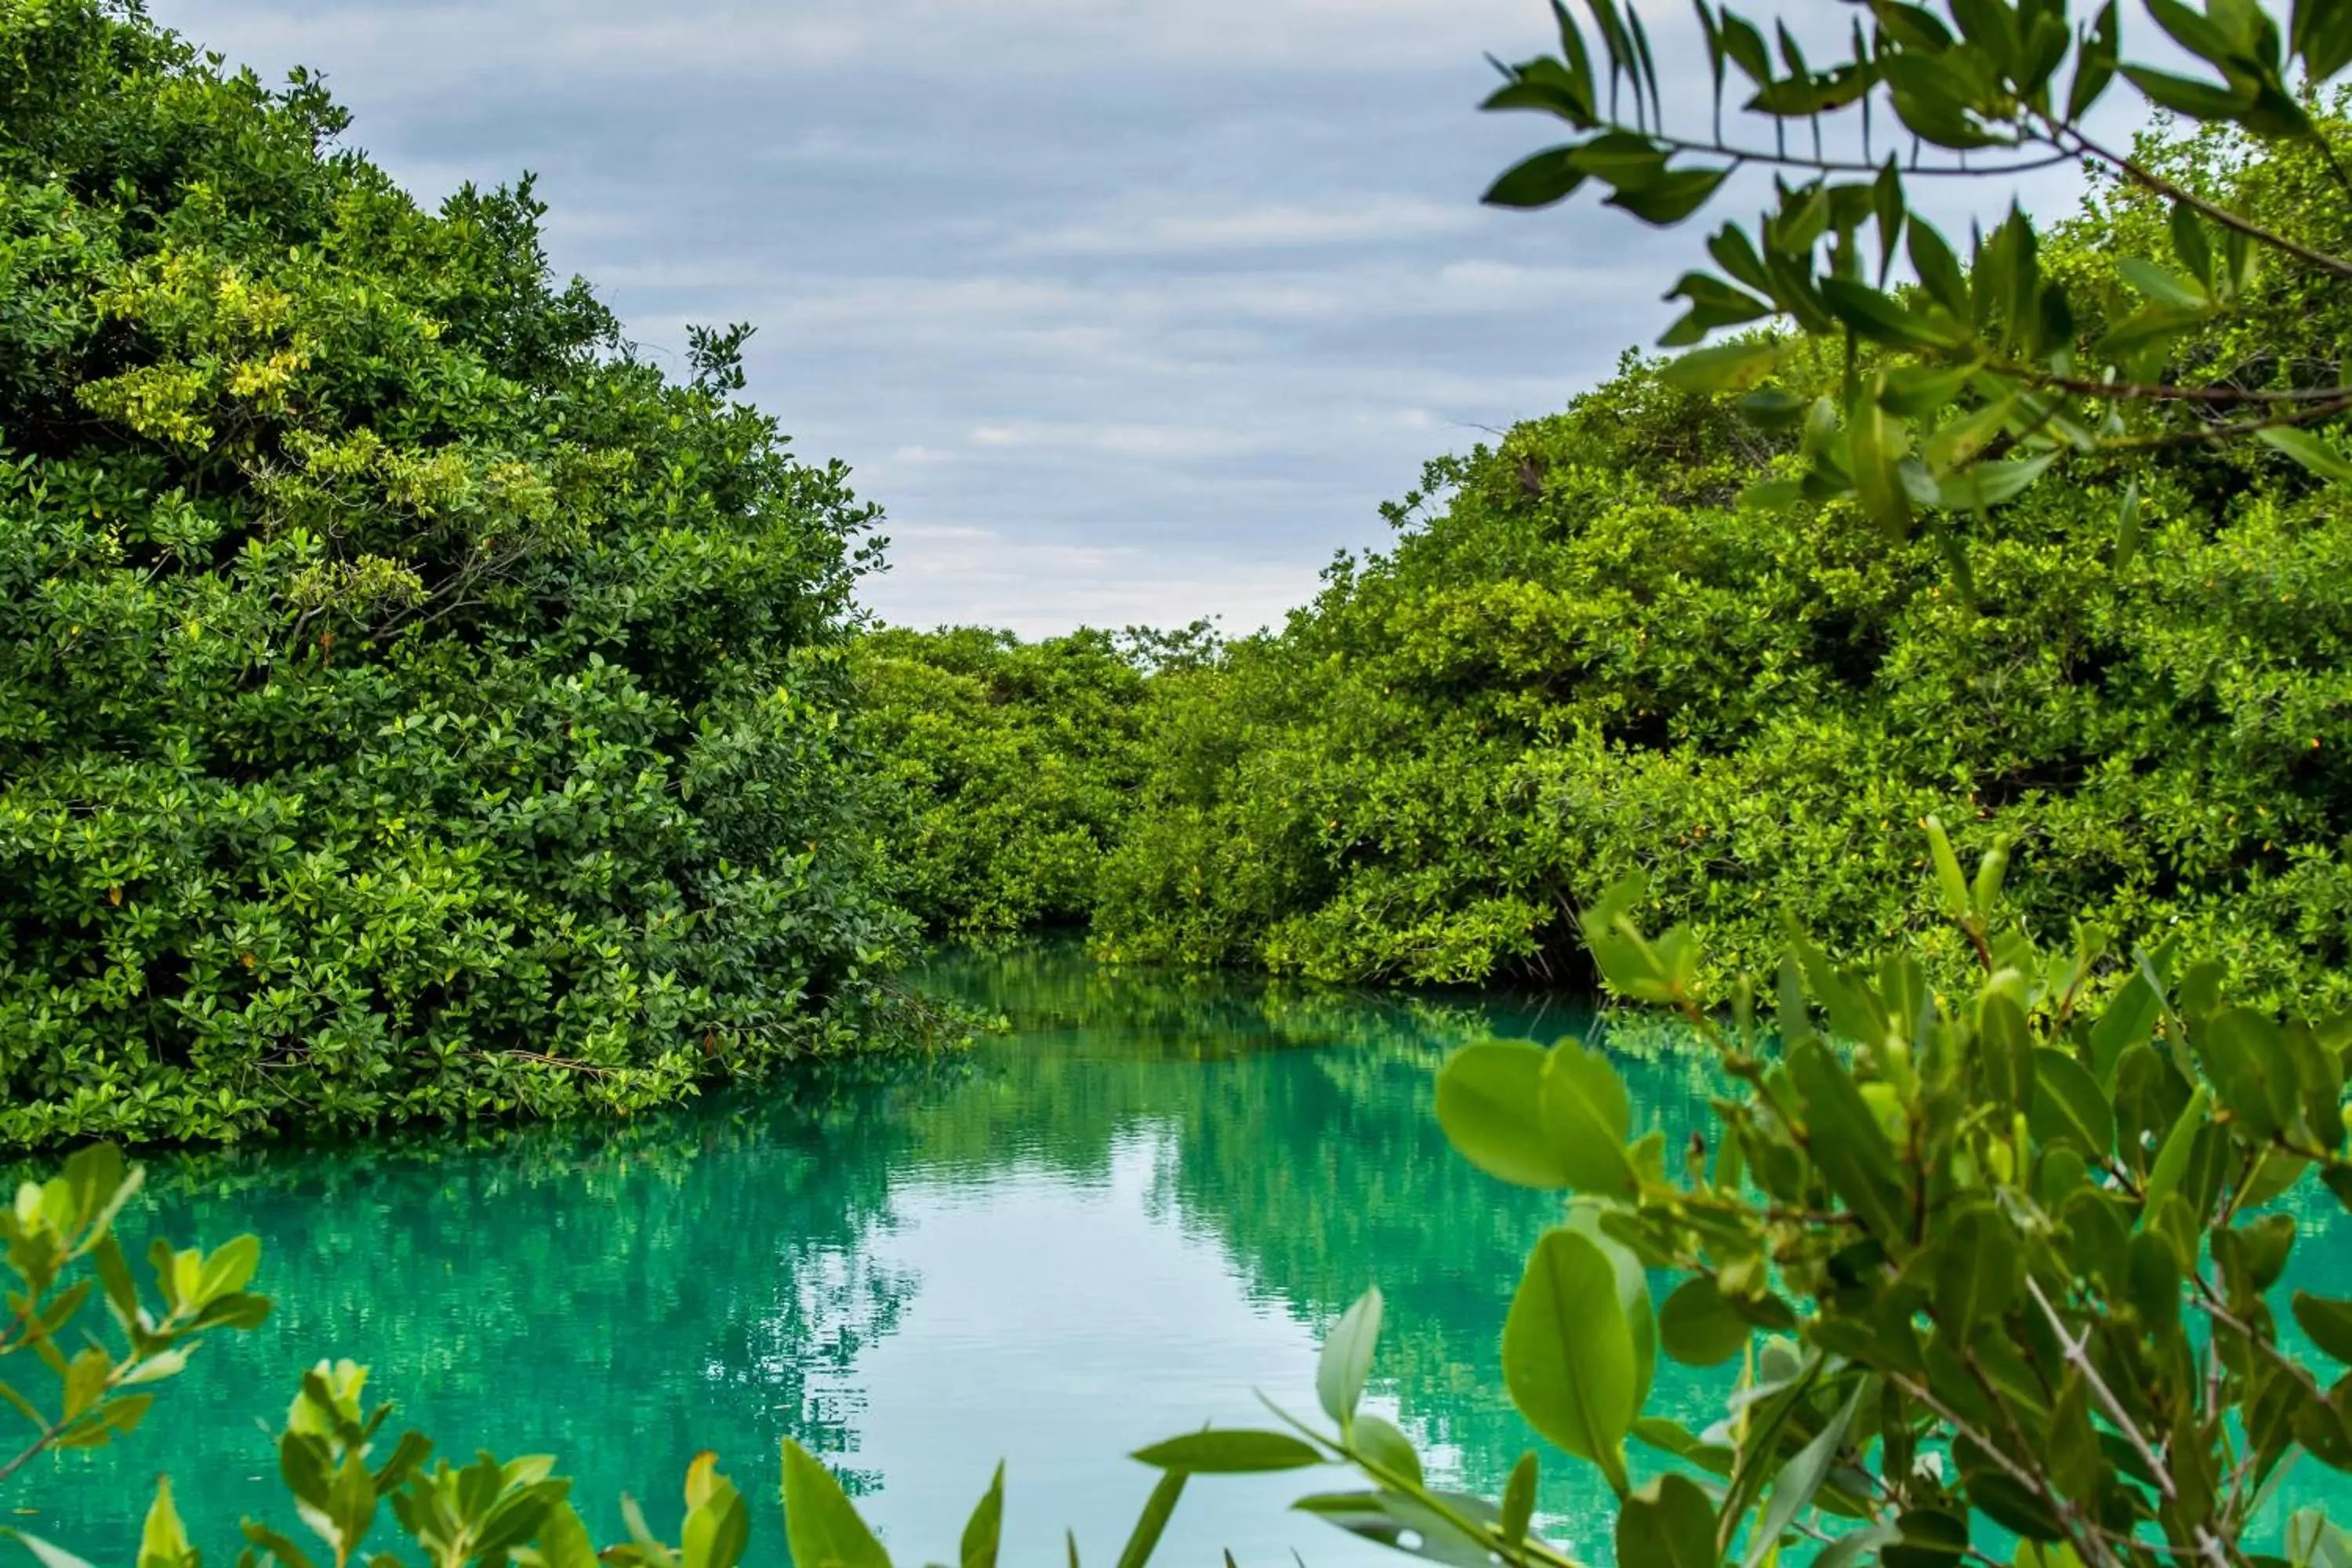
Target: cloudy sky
1126 310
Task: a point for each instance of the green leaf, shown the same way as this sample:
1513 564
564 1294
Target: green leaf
1938 268
1976 1264
1916 391
1669 1523
287 1554
1698 1326
984 1532
2197 99
1799 1480
164 1539
1877 448
1845 1141
1347 1357
563 1541
1152 1523
2128 526
1713 303
1520 1499
2172 1158
2161 286
1568 1352
228 1270
1726 367
2005 1047
1404 1524
2328 1323
1490 1102
1957 442
1380 1441
2245 1056
1980 487
1587 1219
2152 1276
1587 1115
2321 32
718 1526
1231 1451
1537 181
1881 318
2069 1107
2308 450
49 1556
351 1502
1547 85
822 1527
1948 875
2095 66
1668 197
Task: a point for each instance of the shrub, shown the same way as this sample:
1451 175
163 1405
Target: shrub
1017 764
412 705
1594 649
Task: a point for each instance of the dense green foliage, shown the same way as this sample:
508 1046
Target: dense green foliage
1016 766
412 706
1994 1254
1584 655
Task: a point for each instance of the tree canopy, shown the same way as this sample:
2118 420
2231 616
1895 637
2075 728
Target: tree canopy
412 705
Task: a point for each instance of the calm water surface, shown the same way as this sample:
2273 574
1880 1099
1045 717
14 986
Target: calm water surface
1107 1227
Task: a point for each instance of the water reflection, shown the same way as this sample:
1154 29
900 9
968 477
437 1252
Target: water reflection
1147 1199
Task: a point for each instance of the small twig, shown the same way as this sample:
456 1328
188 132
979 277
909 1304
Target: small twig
48 1436
2213 435
590 1068
1787 159
2150 179
2081 1362
2162 391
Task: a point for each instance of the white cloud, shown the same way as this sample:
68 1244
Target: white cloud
1118 440
1252 228
1123 310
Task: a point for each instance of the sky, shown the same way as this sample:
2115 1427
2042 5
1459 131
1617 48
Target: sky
1125 312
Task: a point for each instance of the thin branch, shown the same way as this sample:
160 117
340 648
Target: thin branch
2165 391
2213 434
567 1063
2081 1362
47 1437
2150 179
1782 158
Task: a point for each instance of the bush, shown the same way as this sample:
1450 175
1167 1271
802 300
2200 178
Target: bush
1584 655
412 706
1017 765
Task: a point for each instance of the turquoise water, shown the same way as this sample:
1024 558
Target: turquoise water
1105 1227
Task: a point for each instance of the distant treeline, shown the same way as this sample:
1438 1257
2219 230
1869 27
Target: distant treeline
1581 655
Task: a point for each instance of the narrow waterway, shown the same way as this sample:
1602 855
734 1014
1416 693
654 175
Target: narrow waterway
1117 1221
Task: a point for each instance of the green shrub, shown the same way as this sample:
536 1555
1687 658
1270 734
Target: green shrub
1017 766
412 705
1584 654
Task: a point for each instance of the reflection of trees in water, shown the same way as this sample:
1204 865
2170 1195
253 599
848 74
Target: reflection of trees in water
622 1295
1319 1171
619 1295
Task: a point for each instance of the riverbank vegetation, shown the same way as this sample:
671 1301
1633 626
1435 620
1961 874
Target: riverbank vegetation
414 706
1583 655
1013 768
